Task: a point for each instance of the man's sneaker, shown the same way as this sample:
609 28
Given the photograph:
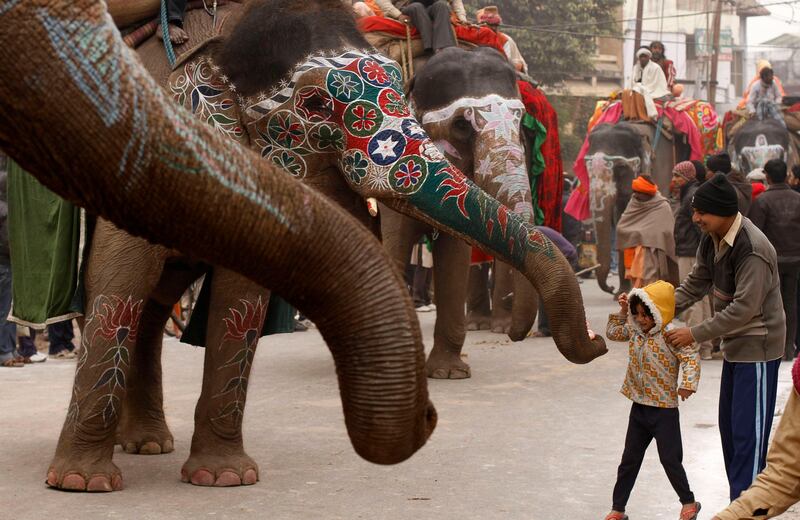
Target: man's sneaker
36 358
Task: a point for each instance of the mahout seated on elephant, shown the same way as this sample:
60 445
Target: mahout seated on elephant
317 101
124 151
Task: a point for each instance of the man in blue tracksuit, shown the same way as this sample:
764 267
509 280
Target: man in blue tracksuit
736 261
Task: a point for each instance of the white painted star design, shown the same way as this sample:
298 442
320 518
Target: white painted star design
501 119
386 148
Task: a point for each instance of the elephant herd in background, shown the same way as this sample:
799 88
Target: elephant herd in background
619 152
318 103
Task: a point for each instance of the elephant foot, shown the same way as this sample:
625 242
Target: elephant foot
501 325
478 322
447 365
92 475
145 436
220 470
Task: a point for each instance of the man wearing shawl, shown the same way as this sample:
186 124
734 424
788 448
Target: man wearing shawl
649 81
645 235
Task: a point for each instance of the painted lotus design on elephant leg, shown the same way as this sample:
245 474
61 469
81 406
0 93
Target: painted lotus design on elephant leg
243 328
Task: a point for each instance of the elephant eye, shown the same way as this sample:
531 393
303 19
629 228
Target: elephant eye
462 128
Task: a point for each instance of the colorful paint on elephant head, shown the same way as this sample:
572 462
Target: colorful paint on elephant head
756 156
350 106
496 123
603 186
346 109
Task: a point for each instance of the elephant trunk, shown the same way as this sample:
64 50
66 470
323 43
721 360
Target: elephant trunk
603 228
451 202
122 150
502 172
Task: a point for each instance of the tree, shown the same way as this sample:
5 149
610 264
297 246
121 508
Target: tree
556 37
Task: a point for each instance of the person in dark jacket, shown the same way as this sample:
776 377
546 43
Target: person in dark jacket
738 262
685 182
777 212
721 163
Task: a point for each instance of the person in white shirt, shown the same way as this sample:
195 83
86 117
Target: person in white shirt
648 80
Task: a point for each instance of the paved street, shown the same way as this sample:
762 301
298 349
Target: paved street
530 436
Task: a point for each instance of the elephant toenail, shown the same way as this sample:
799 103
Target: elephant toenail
131 448
116 483
52 479
150 448
73 482
184 476
228 478
250 477
167 446
203 477
99 483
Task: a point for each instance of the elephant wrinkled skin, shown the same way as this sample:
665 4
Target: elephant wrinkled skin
123 151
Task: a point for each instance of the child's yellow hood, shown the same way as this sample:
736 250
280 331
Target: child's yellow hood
659 297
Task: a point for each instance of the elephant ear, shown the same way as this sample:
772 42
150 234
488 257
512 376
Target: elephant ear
200 87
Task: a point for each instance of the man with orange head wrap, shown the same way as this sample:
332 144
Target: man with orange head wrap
645 233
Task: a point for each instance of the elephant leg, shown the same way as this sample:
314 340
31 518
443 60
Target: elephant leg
116 296
450 273
142 427
478 308
501 303
237 313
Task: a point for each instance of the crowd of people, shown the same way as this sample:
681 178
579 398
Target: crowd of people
738 268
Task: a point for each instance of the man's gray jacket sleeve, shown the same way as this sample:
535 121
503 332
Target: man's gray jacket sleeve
751 289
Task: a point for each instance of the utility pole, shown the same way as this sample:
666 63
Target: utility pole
637 38
712 88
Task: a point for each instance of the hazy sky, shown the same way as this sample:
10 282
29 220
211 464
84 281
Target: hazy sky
763 28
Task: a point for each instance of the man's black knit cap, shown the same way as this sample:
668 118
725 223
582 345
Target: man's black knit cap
716 196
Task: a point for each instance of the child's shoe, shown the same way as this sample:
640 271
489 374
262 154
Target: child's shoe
616 515
691 512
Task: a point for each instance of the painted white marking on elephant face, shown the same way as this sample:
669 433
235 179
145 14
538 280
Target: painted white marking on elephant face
485 103
761 152
446 147
601 174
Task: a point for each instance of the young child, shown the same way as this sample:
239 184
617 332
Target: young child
651 383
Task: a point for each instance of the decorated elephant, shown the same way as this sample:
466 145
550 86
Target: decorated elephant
468 103
318 102
616 154
123 150
757 141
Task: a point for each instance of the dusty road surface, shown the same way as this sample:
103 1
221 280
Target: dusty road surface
530 436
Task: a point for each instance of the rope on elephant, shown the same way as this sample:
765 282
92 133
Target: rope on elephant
165 34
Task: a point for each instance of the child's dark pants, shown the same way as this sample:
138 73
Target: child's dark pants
645 424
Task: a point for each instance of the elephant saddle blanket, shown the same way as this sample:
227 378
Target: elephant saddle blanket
385 29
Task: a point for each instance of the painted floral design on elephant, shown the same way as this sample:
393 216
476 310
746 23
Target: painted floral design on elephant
243 329
207 93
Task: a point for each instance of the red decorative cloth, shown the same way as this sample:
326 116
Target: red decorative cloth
551 182
482 36
796 374
578 204
479 256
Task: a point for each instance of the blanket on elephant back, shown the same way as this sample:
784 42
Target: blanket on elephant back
44 235
481 36
548 182
578 204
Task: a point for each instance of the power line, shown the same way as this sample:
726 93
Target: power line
617 37
624 20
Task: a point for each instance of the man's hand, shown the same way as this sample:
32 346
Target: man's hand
680 338
405 19
623 304
685 393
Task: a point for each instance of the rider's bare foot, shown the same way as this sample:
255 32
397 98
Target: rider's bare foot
176 34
